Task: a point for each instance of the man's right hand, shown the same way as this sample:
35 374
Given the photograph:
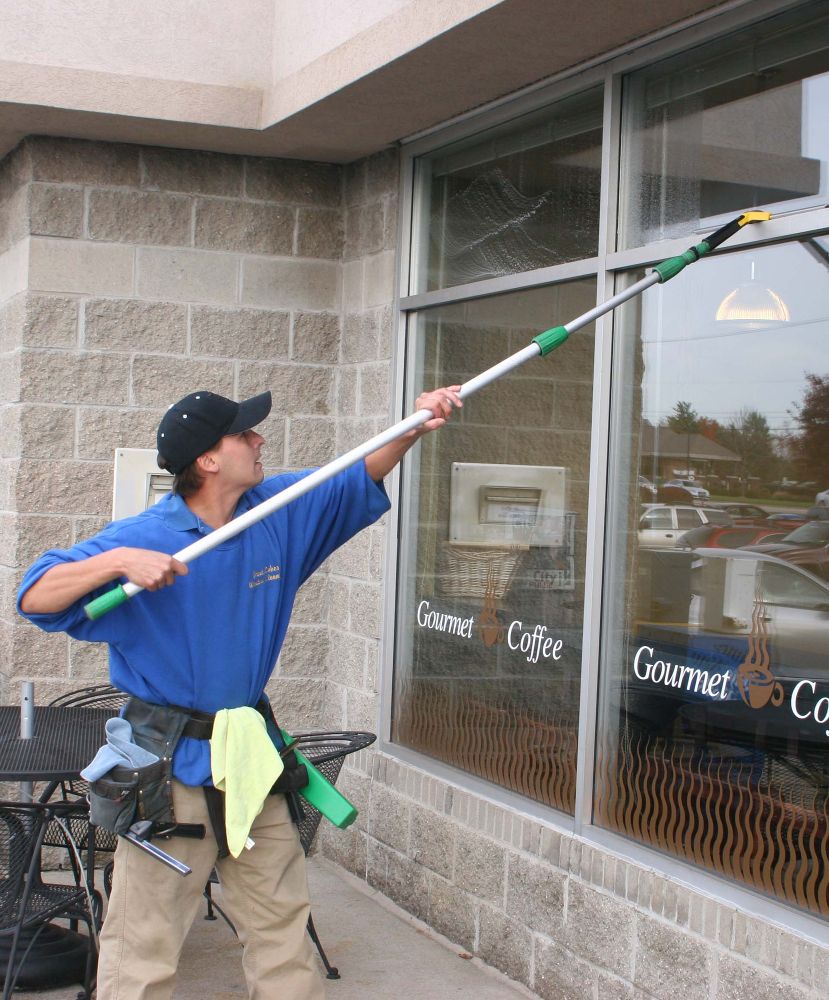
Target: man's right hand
65 583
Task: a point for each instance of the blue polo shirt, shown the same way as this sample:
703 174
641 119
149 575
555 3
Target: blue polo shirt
211 640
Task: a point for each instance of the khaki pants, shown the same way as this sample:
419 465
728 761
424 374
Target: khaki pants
265 894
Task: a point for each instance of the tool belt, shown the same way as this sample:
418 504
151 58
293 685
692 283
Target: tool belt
126 795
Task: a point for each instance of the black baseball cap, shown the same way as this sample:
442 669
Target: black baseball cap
198 422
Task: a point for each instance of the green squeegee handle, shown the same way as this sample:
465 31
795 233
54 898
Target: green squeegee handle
106 602
673 265
320 793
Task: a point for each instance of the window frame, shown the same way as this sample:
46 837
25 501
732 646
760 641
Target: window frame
609 267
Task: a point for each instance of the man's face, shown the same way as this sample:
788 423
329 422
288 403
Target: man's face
239 459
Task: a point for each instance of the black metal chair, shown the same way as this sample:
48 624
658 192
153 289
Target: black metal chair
28 905
326 751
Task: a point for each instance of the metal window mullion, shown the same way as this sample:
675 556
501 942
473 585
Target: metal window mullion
599 444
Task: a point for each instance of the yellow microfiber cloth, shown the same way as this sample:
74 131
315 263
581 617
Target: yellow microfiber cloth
245 765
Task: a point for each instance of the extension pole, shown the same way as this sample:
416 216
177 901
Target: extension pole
543 344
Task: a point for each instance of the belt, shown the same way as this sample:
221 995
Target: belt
199 725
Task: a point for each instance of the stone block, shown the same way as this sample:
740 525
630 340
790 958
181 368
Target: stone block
73 377
379 279
14 269
559 975
192 171
347 659
298 702
347 848
84 527
304 652
452 913
49 321
599 928
316 338
305 390
160 381
56 210
616 989
351 559
668 961
377 555
360 338
377 864
103 429
311 602
35 655
408 885
244 227
80 161
80 267
14 218
320 233
27 537
433 841
339 604
505 944
364 230
535 894
354 182
361 711
310 441
239 333
351 433
346 392
375 390
391 223
67 487
737 979
353 286
45 431
147 217
293 182
389 816
290 284
365 601
383 173
88 663
480 866
131 325
187 275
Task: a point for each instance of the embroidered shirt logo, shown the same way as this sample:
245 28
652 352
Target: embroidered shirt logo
265 575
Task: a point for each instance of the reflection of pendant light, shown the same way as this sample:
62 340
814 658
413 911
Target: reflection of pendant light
753 305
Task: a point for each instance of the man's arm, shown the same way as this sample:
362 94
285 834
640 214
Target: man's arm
441 402
65 583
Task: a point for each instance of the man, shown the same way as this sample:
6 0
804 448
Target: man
209 643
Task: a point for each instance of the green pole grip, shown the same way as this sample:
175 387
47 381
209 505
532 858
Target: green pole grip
551 339
322 795
671 267
106 602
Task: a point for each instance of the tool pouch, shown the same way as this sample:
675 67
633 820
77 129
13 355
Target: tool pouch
124 795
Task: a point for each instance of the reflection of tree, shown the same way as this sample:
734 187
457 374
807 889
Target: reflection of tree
810 448
684 420
749 437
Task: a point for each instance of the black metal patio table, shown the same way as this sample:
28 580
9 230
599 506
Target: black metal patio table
65 740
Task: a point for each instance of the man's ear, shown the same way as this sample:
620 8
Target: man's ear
207 463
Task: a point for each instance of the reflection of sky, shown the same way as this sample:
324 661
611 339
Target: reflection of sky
722 368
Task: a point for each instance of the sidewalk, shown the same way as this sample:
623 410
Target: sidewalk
381 952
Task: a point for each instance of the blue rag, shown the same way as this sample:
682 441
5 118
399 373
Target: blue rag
119 749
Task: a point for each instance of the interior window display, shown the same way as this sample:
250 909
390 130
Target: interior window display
514 198
491 582
727 126
713 737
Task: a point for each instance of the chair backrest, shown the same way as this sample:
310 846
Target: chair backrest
326 751
99 695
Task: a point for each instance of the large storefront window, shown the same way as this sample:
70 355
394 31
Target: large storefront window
491 597
714 727
727 126
514 198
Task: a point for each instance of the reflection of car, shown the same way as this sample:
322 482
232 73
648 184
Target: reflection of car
696 491
720 642
806 546
662 524
717 537
745 513
822 498
647 491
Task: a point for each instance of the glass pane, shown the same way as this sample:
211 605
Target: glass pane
514 198
491 596
726 127
714 696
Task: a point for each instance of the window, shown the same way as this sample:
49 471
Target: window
709 659
514 198
728 126
491 590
